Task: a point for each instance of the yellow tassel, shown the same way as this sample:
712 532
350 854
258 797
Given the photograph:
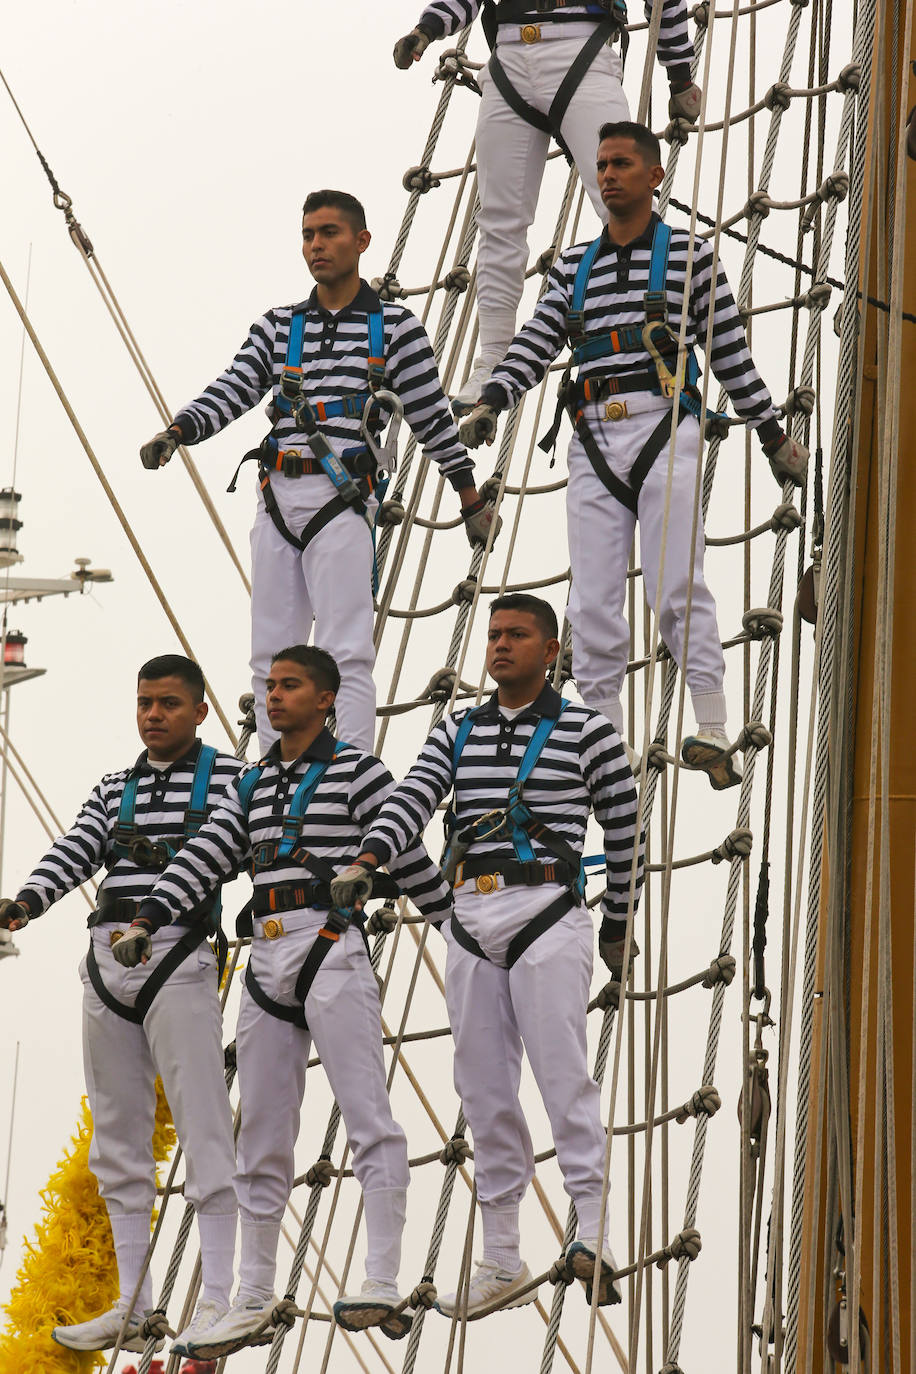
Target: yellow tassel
68 1272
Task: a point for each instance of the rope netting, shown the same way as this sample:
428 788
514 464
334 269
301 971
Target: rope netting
790 108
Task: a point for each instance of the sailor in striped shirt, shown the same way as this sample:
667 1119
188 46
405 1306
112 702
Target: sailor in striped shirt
306 565
553 70
292 996
519 960
618 457
180 1035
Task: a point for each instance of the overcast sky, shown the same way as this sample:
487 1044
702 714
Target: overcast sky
187 136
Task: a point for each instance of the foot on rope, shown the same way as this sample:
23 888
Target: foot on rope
247 1322
710 752
206 1316
376 1305
101 1333
490 1284
580 1262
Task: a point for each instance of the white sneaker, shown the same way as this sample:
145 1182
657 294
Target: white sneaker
206 1315
101 1333
580 1262
466 399
707 750
374 1307
634 758
488 1284
235 1329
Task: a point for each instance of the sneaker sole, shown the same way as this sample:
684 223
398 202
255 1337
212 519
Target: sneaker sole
359 1316
707 759
217 1350
134 1345
582 1266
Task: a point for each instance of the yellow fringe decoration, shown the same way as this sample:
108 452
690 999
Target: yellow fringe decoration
68 1272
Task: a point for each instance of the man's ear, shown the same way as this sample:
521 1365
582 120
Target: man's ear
551 650
656 175
201 711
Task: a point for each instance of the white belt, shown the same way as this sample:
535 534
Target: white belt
269 927
529 34
623 407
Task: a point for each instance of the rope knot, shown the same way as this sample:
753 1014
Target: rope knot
383 921
246 706
705 1101
818 296
785 517
388 288
657 755
459 279
778 97
717 426
439 687
755 735
700 14
685 1245
759 203
737 845
455 1151
155 1326
463 594
762 622
390 513
424 1295
834 187
457 66
321 1173
800 401
850 78
544 261
721 970
559 1272
419 179
285 1311
678 131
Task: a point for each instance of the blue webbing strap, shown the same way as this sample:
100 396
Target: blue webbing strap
376 323
658 262
461 738
196 813
296 336
351 405
128 807
575 321
542 731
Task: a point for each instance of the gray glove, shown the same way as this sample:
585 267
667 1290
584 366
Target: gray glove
788 459
686 104
159 450
611 952
479 427
410 48
135 946
13 915
477 521
353 885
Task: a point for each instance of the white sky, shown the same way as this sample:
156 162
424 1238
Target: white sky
187 136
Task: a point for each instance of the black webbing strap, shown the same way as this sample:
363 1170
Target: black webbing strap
525 937
627 493
518 873
281 1010
284 1011
191 940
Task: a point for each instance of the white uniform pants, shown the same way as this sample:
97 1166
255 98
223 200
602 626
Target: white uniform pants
344 1019
601 531
511 155
330 583
540 1004
181 1040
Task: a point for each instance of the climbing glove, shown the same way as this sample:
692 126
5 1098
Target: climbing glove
788 459
159 449
686 103
410 48
135 946
479 427
353 885
13 915
477 521
611 950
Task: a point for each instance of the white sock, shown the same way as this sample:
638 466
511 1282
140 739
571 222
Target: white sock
258 1264
588 1211
217 1255
131 1234
501 1239
386 1212
711 712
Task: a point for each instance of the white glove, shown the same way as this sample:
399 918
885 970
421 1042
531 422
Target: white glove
410 48
686 104
789 459
353 885
134 947
479 427
159 450
13 915
477 521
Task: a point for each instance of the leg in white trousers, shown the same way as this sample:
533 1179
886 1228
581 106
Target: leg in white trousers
181 1040
343 1014
600 535
330 583
539 1003
511 155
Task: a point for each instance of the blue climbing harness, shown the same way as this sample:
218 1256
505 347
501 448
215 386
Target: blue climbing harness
286 849
129 840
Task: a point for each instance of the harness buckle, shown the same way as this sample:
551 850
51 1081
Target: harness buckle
530 33
292 464
616 410
290 382
272 928
487 882
114 936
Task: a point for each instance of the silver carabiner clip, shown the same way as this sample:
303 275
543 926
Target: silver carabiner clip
386 454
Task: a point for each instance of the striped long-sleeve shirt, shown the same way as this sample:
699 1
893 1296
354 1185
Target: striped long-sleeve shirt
335 354
345 803
163 797
615 295
675 50
581 767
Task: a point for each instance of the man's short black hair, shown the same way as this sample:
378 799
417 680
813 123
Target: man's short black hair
643 137
174 665
336 200
318 663
542 611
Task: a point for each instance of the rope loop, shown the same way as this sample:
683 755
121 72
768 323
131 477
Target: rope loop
800 401
424 1295
321 1173
778 97
737 845
818 297
758 204
419 179
455 1151
785 517
762 622
704 1102
685 1245
545 261
559 1272
463 594
850 78
388 288
382 921
456 66
439 687
755 735
721 970
155 1326
390 513
285 1312
61 200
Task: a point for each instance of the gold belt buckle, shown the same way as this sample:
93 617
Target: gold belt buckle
615 410
114 936
272 929
487 882
530 33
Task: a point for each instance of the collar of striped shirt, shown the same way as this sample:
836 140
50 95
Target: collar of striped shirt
547 703
143 765
365 300
321 748
643 240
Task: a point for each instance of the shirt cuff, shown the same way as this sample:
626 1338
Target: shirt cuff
495 395
183 424
612 929
769 431
679 73
380 849
462 476
432 24
154 913
32 901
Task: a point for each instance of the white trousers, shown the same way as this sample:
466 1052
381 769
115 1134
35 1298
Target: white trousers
538 1004
511 155
344 1019
330 583
601 532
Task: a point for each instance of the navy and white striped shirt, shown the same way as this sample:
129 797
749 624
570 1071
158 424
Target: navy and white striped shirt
345 803
615 295
335 354
675 49
581 767
163 797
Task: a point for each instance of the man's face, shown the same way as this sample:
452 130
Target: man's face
517 648
294 701
330 244
168 716
626 181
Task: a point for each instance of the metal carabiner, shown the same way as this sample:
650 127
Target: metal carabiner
385 455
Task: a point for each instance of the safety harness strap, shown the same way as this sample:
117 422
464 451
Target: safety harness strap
325 941
525 937
627 493
350 403
181 950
